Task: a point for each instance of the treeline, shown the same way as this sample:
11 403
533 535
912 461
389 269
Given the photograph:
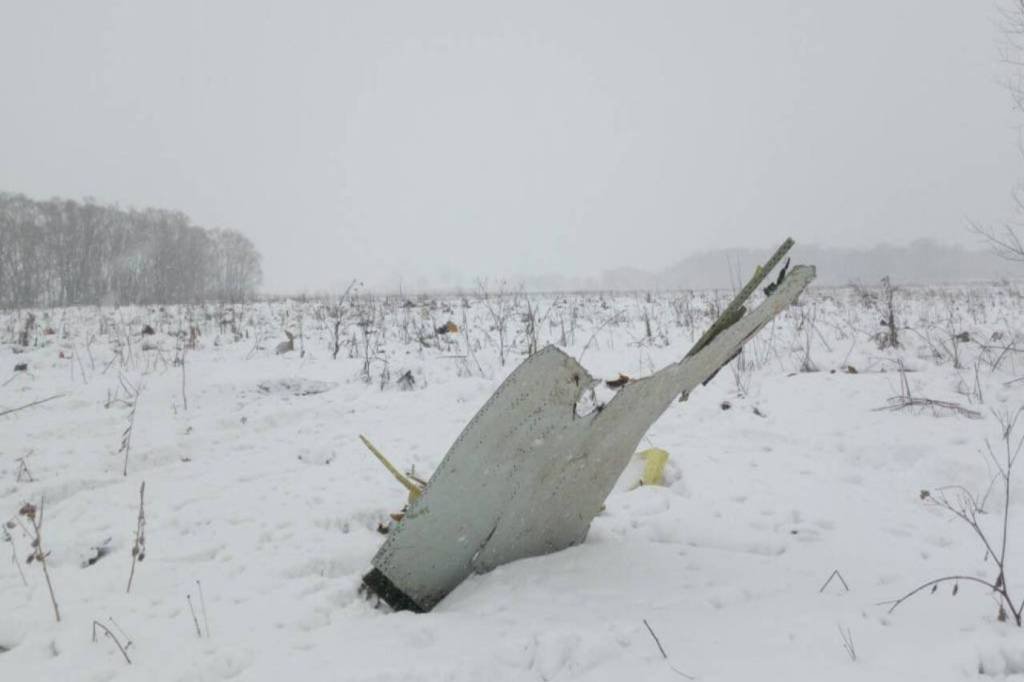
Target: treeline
60 252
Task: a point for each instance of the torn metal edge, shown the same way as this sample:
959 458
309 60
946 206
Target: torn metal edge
380 585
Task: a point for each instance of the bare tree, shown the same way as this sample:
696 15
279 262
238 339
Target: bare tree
1012 48
499 306
1004 240
61 252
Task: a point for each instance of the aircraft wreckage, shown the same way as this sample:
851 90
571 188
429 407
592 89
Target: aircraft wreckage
528 474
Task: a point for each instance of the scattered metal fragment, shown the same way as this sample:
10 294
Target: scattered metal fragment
529 473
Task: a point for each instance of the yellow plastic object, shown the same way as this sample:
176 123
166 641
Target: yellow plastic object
654 466
414 489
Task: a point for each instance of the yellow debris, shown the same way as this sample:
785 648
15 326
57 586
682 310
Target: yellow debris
414 489
654 466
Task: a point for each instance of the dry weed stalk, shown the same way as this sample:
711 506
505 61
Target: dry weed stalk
192 610
23 475
111 635
7 537
907 400
202 605
34 516
126 436
848 646
139 548
967 507
31 404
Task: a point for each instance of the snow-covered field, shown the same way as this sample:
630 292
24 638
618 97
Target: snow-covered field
262 507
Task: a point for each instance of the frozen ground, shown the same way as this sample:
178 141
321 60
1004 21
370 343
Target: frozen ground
261 492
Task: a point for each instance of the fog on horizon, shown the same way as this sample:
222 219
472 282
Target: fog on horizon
430 144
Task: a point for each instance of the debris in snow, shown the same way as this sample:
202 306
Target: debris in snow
618 382
770 289
497 497
654 460
448 327
709 559
414 487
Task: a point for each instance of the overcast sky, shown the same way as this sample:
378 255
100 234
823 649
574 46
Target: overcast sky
440 141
